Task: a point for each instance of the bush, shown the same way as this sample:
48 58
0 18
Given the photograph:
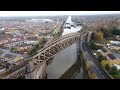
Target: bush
32 50
117 76
107 67
100 57
115 31
108 32
114 71
94 46
13 49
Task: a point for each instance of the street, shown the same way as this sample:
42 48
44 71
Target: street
96 65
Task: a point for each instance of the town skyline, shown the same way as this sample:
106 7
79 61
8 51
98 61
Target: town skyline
54 13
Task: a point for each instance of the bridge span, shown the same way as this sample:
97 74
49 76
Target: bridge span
35 67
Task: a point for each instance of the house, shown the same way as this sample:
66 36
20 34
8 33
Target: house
115 42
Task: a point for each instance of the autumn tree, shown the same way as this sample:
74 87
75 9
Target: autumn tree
91 73
89 65
99 36
107 67
106 62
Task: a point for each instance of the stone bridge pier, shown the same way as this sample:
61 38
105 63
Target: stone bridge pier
36 72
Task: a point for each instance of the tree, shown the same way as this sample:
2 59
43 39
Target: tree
90 70
100 58
106 32
107 67
43 40
37 45
94 46
104 62
99 36
117 76
13 49
115 31
114 70
31 51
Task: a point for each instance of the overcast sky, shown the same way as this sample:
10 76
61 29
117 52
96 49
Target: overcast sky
50 13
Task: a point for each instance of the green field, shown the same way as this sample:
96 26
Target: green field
57 29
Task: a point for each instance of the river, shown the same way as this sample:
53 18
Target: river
64 59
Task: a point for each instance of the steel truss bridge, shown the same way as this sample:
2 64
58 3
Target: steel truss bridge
32 66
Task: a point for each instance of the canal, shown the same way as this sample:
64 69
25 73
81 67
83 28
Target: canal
64 59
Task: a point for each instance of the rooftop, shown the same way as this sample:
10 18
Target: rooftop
112 57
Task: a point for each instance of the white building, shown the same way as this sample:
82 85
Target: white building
115 42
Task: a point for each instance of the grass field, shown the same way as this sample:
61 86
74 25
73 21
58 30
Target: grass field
56 30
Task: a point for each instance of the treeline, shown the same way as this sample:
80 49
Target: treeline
105 29
110 31
105 33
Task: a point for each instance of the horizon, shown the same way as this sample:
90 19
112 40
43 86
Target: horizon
54 13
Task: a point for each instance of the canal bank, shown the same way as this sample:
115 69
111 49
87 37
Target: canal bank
72 71
78 69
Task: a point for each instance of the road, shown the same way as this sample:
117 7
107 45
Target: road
96 65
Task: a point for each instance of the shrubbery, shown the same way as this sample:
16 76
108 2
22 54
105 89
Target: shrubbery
94 46
108 32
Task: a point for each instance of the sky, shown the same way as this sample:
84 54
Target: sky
50 13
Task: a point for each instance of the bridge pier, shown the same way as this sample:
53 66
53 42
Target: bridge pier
36 72
30 72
